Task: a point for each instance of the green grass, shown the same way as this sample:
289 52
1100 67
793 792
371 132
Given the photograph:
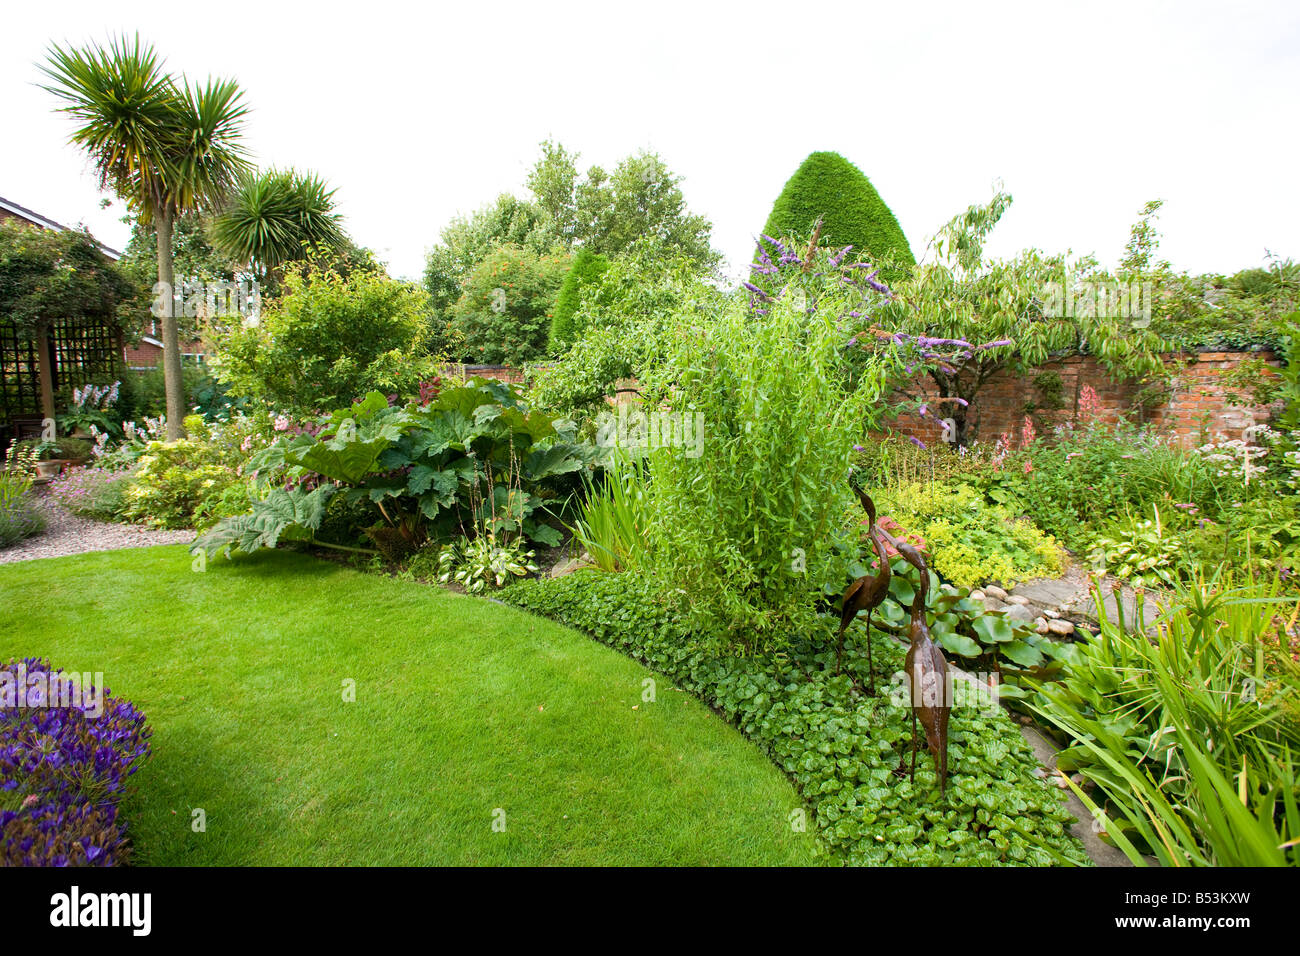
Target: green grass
463 706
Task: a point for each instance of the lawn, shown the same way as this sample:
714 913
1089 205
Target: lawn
463 708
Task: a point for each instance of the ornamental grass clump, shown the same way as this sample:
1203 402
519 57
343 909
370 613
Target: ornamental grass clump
19 516
67 751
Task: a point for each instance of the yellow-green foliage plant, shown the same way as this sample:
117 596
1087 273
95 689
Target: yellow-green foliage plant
972 542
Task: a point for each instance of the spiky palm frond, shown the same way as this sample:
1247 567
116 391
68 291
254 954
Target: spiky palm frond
273 216
124 104
160 145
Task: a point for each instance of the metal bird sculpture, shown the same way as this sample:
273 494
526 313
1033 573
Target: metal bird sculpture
927 677
867 592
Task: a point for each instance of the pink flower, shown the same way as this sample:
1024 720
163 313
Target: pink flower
1027 433
1029 466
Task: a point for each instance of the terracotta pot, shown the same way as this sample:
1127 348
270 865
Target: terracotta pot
49 468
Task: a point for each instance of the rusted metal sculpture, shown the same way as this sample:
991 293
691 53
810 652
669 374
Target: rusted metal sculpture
927 677
867 592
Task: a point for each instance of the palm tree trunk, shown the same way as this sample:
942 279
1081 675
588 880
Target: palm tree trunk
173 379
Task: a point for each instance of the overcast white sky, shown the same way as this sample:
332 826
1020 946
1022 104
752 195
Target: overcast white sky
416 113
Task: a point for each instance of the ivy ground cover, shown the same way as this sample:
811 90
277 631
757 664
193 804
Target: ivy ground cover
466 713
840 747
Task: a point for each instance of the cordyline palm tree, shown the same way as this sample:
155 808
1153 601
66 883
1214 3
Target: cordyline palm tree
163 146
274 217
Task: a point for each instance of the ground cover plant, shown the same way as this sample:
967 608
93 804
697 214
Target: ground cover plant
839 746
969 540
67 753
462 708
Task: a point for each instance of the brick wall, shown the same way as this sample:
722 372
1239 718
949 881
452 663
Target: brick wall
1195 410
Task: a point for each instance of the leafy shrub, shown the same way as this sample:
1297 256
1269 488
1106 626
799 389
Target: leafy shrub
748 534
476 457
503 314
839 748
92 492
971 542
586 270
19 516
829 187
625 320
328 340
190 482
64 768
171 482
1189 738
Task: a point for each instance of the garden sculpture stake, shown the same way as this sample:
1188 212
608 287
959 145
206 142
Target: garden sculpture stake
927 678
867 592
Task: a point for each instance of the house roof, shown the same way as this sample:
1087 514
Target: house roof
36 219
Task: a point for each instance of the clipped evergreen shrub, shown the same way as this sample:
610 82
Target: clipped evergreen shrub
586 270
828 186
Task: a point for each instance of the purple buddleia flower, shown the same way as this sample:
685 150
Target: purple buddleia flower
917 442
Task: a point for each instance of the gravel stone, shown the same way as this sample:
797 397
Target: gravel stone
65 534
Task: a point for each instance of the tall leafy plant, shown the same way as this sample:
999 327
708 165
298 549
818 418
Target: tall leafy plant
744 534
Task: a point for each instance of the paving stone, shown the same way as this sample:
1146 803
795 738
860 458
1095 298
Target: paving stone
1017 599
1049 592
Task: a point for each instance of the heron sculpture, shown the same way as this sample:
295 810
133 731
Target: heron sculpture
927 677
867 592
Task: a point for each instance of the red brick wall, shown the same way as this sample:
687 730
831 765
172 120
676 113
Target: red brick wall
1195 410
502 373
143 355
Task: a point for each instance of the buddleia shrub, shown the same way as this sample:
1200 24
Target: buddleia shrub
746 525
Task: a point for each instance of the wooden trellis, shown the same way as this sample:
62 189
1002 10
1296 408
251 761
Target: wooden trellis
79 351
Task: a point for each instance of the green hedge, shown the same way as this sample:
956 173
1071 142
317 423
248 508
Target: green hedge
827 185
586 270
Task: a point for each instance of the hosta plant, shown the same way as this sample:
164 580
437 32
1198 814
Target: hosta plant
1143 552
477 564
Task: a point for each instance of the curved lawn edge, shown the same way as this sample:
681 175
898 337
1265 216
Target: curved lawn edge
467 713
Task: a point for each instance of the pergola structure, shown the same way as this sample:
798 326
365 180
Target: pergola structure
44 353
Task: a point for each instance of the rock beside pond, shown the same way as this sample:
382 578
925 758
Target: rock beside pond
1019 612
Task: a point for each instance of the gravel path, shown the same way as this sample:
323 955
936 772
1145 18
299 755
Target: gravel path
65 533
